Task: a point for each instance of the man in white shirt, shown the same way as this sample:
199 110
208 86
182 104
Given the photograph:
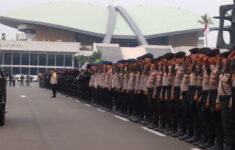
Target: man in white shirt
53 82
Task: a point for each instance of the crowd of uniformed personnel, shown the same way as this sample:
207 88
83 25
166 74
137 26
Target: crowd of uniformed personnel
188 97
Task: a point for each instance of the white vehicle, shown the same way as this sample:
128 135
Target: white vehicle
34 78
17 76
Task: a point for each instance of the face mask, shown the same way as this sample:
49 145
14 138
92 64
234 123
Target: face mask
177 67
204 67
170 67
212 67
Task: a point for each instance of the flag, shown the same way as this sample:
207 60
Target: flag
206 30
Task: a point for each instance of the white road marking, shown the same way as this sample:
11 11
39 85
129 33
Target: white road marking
23 96
154 132
123 119
100 110
87 105
195 149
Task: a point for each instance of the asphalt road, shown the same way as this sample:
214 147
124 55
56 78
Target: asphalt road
35 121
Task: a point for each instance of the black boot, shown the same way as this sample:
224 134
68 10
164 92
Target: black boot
203 140
186 136
193 139
179 133
209 144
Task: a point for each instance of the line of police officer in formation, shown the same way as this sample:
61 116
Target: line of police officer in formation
189 97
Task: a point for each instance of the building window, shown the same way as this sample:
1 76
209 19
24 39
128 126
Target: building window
34 59
16 58
59 60
1 58
25 59
24 71
7 58
49 69
75 63
59 69
68 60
51 60
41 70
33 71
7 70
42 59
16 70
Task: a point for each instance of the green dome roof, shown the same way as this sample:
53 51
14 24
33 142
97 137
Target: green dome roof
151 20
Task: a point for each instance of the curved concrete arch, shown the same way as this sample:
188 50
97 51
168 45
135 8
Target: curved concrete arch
110 25
133 25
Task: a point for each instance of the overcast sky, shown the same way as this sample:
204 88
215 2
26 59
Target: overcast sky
211 7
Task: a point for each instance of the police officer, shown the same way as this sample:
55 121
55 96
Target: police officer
225 91
107 86
144 77
131 88
178 77
166 93
156 93
150 85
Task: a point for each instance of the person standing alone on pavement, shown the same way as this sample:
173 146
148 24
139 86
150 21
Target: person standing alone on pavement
53 82
27 80
10 79
22 80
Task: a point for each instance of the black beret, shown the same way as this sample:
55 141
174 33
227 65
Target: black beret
213 52
180 55
109 63
139 58
131 60
148 55
121 62
163 56
169 56
159 58
205 51
194 50
225 54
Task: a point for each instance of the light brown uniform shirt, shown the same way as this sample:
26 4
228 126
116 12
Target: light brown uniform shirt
138 81
131 81
151 79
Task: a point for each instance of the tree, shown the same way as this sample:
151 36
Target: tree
94 58
3 36
99 60
95 55
204 20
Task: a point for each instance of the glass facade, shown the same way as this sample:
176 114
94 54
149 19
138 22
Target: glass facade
7 58
42 59
42 70
51 60
33 71
68 60
16 70
34 59
59 60
1 58
34 63
24 70
25 59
